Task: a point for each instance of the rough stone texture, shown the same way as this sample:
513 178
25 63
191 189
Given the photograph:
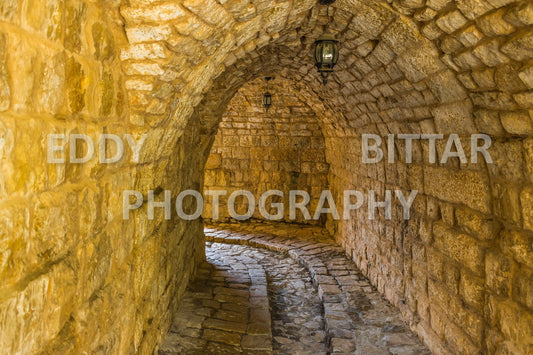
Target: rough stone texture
257 151
223 311
402 64
319 302
76 277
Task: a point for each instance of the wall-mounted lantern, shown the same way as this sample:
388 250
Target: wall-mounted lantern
267 96
326 50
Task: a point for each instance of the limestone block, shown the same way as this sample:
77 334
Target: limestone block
451 22
425 14
454 118
517 122
494 100
473 9
520 46
473 323
488 122
137 98
467 81
516 323
500 3
106 87
508 161
52 84
470 36
416 66
104 44
524 99
209 11
75 76
143 69
401 36
526 75
5 91
526 200
472 289
153 13
528 154
466 60
147 33
507 78
75 17
370 22
446 87
476 224
144 51
277 17
520 15
45 17
489 53
467 187
494 25
23 57
139 84
412 4
156 107
237 7
523 288
191 26
9 10
506 202
245 31
437 4
460 247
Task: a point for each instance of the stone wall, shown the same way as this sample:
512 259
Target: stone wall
75 277
254 150
396 76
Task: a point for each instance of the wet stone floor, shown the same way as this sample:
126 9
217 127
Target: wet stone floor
283 290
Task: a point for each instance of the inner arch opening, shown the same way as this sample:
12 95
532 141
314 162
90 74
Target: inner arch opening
278 151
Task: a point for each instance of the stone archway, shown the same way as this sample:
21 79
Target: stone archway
459 270
419 69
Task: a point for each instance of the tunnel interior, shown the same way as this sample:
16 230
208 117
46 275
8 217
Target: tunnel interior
255 150
187 75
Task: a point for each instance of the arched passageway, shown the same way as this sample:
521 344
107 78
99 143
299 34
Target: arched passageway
281 150
78 277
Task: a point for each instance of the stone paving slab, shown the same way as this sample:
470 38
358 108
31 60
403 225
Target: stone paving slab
357 318
219 312
297 294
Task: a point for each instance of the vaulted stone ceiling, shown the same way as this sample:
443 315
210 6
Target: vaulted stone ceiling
77 277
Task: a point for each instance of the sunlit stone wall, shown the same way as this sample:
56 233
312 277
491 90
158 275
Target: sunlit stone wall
74 276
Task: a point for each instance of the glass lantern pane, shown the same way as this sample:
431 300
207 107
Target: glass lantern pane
318 53
327 55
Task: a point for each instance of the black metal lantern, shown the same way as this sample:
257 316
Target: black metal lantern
267 96
267 100
326 55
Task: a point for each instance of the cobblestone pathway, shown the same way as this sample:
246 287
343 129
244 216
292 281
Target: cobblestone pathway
283 289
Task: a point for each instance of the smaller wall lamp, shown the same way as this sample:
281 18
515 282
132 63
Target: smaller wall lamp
267 96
